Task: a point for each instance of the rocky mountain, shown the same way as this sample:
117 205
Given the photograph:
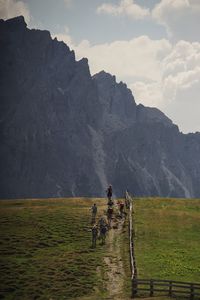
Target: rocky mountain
66 133
46 109
146 153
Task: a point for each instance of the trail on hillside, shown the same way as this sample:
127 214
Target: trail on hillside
114 263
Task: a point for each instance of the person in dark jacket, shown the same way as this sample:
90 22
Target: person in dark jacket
109 195
94 235
94 213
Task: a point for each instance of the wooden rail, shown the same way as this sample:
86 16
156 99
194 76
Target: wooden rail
131 241
167 287
151 287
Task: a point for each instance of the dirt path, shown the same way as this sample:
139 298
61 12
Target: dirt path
114 262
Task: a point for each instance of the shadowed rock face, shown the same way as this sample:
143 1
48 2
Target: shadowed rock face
65 133
46 108
139 148
144 151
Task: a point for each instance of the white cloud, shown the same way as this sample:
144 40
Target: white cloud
159 73
177 92
125 7
65 37
126 59
181 85
181 18
12 8
181 68
150 94
138 62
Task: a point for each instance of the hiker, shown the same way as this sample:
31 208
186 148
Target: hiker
94 213
109 195
94 235
103 227
103 230
109 215
101 222
120 208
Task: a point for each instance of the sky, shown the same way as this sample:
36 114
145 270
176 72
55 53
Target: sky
151 45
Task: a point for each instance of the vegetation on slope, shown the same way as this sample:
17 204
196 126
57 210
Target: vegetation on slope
45 250
167 238
45 247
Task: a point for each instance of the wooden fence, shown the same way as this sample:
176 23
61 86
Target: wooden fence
131 238
152 286
167 287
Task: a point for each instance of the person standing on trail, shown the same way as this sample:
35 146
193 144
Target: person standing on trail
103 231
94 213
94 235
121 208
101 222
109 195
103 228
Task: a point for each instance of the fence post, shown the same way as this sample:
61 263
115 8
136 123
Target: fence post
170 288
191 291
134 287
151 288
131 247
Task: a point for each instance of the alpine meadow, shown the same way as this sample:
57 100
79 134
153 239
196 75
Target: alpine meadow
99 150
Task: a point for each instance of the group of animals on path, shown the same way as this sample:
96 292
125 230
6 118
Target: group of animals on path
114 212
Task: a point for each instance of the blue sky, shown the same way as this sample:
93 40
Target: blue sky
152 45
84 23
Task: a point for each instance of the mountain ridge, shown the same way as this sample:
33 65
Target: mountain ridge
67 133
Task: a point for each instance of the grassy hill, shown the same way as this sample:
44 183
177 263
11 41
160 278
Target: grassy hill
45 251
45 248
168 238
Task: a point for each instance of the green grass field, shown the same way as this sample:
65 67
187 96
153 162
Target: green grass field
45 251
45 247
168 238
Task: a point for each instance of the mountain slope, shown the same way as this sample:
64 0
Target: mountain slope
146 154
65 133
48 102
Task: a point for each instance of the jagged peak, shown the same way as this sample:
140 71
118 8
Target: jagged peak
109 78
83 61
15 22
18 24
102 75
146 113
62 45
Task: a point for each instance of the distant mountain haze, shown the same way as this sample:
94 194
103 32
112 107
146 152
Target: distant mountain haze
65 133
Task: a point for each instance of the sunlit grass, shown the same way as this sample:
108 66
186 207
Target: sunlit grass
168 239
45 249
